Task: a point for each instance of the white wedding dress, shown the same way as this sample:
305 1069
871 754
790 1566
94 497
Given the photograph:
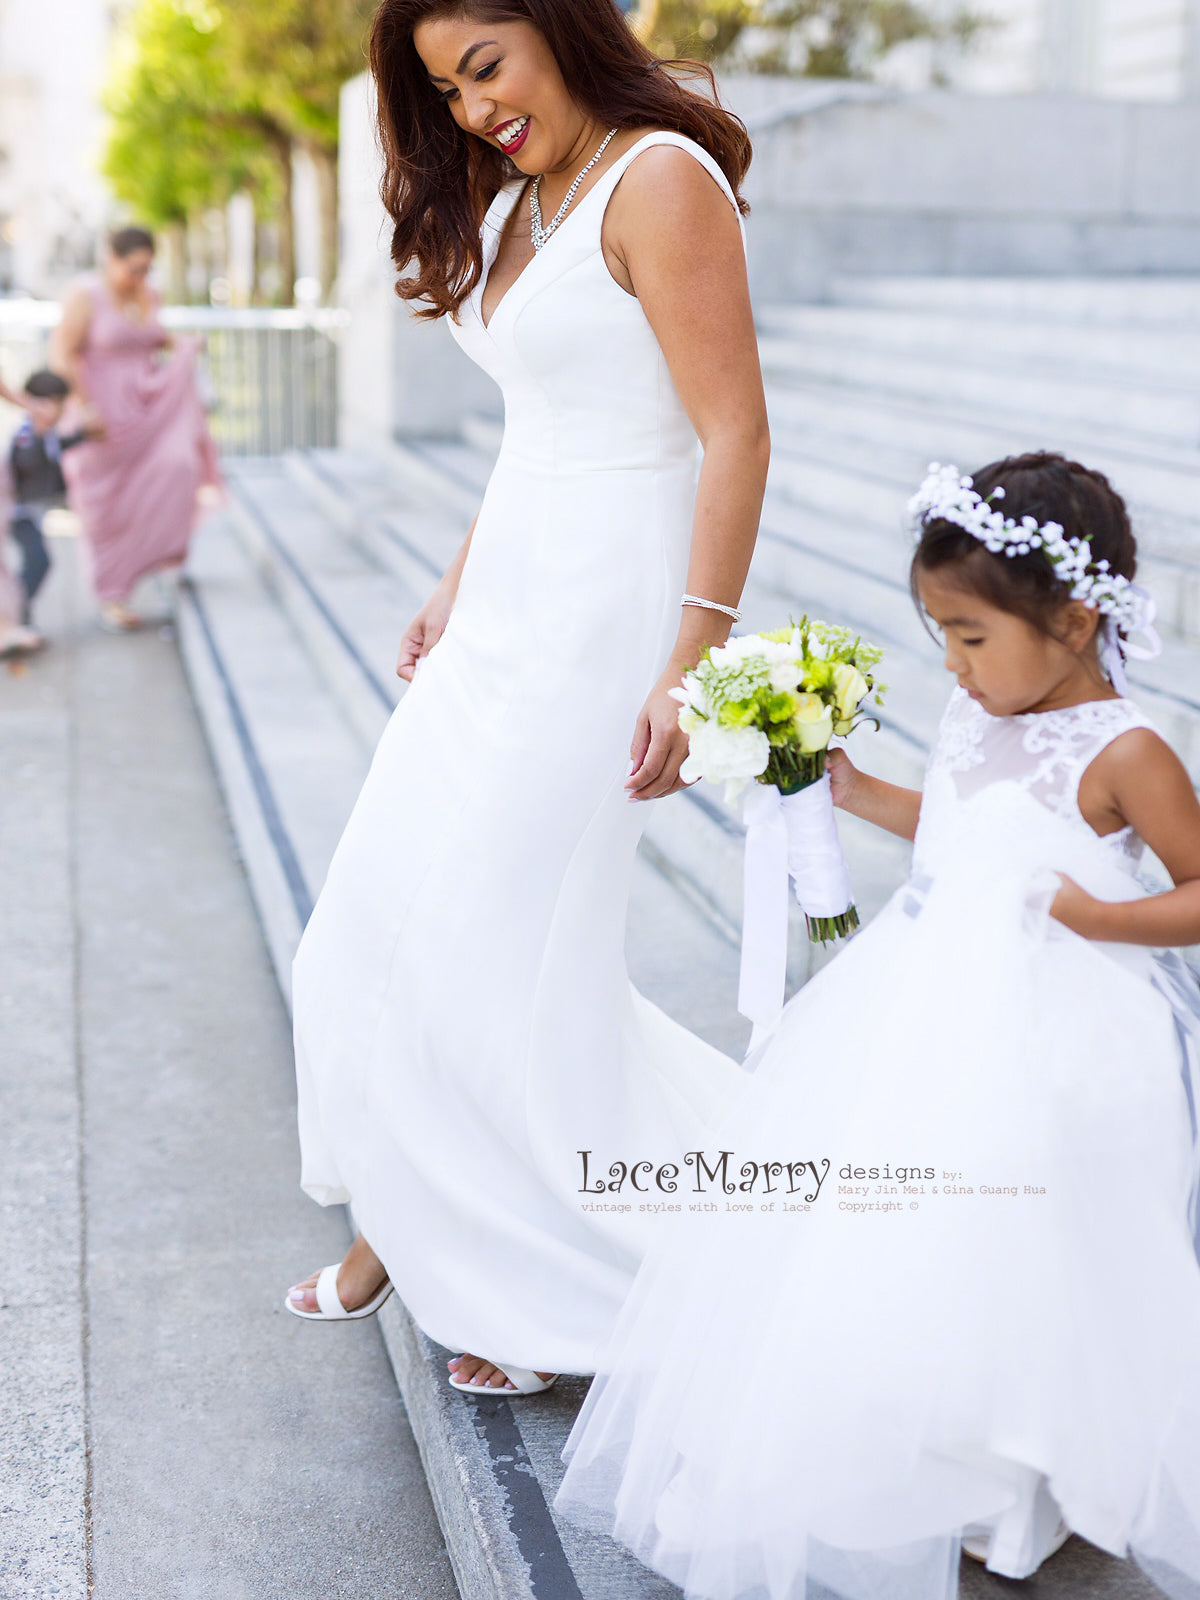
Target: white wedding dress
811 1403
464 1020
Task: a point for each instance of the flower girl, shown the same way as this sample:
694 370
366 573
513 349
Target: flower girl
974 1320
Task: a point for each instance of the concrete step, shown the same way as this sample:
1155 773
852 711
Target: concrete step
1142 300
1155 354
291 762
899 436
1156 412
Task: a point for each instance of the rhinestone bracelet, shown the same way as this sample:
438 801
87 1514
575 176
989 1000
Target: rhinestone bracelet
715 605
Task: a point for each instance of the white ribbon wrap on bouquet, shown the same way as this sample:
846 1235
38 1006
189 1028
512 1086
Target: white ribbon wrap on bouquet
787 836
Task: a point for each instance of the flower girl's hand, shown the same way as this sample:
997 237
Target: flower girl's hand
1074 907
843 777
422 633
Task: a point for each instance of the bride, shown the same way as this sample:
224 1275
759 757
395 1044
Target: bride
464 1020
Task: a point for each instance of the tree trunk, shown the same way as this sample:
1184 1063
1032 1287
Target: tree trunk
285 220
175 242
325 163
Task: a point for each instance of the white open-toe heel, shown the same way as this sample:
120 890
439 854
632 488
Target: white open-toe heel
331 1307
979 1548
525 1381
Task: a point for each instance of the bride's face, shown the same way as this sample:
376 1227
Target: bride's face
501 83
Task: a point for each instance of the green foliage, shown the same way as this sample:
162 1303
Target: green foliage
181 137
202 95
295 55
813 38
699 32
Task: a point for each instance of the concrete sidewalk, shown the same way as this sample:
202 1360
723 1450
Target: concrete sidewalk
166 1430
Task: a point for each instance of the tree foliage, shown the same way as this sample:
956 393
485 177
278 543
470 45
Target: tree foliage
180 139
207 97
814 38
295 55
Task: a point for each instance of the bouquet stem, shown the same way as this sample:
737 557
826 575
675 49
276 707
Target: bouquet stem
791 770
824 930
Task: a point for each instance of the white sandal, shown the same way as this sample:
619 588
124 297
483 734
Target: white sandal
979 1546
329 1302
525 1381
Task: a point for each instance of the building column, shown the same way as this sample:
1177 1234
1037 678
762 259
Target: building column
1069 41
1191 51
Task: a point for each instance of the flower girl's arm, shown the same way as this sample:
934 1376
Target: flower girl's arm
1140 781
887 805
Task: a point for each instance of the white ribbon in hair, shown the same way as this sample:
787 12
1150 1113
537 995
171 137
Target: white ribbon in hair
1116 649
792 835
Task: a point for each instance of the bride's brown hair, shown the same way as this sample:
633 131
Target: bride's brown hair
438 180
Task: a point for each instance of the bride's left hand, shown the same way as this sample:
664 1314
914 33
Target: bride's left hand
659 745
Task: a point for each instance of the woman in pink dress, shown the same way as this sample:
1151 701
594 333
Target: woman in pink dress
135 486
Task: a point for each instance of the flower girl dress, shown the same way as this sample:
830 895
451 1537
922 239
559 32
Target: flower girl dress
1001 1323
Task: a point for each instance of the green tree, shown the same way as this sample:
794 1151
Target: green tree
292 57
181 139
815 38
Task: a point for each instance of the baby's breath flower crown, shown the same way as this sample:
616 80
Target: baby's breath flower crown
946 496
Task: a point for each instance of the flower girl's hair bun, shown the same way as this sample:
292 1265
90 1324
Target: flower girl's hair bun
1066 536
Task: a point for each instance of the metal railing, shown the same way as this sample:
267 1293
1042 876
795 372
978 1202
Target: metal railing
268 378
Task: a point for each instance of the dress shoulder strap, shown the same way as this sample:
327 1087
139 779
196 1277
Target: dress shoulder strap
617 171
681 142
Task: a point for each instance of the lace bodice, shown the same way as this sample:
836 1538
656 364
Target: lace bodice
1040 755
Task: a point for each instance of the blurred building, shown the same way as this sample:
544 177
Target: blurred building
52 199
1131 49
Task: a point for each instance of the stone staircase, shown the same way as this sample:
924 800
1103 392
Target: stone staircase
299 592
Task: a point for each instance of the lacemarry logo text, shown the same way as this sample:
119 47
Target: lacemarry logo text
722 1173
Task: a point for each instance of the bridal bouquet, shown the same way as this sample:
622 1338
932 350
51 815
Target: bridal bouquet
759 712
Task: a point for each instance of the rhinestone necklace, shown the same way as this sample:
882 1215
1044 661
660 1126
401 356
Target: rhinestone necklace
537 233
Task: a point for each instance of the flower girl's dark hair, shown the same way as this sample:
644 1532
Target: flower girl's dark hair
1050 488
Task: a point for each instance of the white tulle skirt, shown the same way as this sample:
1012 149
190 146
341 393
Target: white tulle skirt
816 1396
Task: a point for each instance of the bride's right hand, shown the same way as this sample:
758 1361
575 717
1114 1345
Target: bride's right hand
422 633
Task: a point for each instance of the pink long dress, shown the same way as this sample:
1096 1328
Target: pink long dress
135 490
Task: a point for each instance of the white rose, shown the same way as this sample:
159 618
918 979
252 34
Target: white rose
850 686
720 754
813 722
785 676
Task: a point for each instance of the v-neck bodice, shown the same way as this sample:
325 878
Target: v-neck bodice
585 382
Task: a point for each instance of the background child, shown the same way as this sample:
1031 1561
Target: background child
36 478
984 1330
15 638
